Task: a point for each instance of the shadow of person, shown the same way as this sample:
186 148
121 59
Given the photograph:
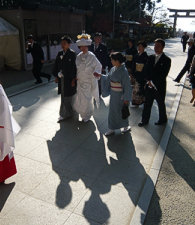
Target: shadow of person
5 191
181 161
94 208
127 170
30 98
78 155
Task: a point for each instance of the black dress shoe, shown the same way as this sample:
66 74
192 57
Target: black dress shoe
142 124
49 78
160 122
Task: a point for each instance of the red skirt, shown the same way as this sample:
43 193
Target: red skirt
7 168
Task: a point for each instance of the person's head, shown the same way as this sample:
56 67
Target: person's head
141 46
30 38
159 45
185 33
65 42
131 43
84 49
83 42
190 42
117 59
98 38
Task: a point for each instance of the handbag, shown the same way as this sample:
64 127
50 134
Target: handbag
125 112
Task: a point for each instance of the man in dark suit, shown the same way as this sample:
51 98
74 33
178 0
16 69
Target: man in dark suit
38 59
65 72
157 70
101 52
191 53
184 40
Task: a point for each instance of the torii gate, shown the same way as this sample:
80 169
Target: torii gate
177 14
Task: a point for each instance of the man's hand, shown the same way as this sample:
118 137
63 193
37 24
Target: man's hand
60 75
150 84
42 61
126 102
73 83
97 75
56 80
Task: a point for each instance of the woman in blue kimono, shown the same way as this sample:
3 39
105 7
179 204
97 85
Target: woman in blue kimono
117 84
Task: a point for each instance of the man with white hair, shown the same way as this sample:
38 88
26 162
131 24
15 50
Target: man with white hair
87 84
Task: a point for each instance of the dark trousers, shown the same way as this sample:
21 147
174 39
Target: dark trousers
184 46
37 67
183 71
150 95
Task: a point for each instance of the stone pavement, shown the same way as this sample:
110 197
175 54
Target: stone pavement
173 199
16 81
70 173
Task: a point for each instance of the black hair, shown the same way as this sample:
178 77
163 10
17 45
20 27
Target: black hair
132 41
67 39
30 36
97 34
160 41
117 56
143 43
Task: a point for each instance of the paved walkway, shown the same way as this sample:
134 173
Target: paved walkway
16 81
71 174
173 200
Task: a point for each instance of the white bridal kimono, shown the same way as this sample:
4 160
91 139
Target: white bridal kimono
87 84
8 126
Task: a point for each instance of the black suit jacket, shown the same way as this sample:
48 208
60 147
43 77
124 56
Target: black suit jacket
101 53
184 39
157 73
66 63
191 53
36 52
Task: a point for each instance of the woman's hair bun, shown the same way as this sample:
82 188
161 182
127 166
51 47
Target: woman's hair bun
117 56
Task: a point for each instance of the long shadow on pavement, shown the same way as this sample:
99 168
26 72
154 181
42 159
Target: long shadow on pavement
5 191
177 161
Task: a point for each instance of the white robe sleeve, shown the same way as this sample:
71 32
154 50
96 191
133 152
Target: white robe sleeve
95 89
98 65
8 126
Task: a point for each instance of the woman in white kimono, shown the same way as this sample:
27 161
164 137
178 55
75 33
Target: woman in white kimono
8 129
87 84
117 85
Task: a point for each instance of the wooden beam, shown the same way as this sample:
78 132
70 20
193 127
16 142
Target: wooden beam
183 16
181 10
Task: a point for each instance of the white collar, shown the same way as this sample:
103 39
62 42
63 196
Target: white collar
158 55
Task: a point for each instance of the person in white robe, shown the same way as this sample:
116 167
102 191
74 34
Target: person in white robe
87 84
8 130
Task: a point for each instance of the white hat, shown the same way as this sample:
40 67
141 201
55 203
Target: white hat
84 40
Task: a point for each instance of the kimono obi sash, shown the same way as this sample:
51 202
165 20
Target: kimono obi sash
116 86
139 67
129 58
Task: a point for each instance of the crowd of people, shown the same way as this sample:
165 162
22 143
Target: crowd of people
84 78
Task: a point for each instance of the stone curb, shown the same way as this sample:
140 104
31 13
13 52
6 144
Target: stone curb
141 209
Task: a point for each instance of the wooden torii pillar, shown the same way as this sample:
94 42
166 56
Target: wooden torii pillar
177 14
